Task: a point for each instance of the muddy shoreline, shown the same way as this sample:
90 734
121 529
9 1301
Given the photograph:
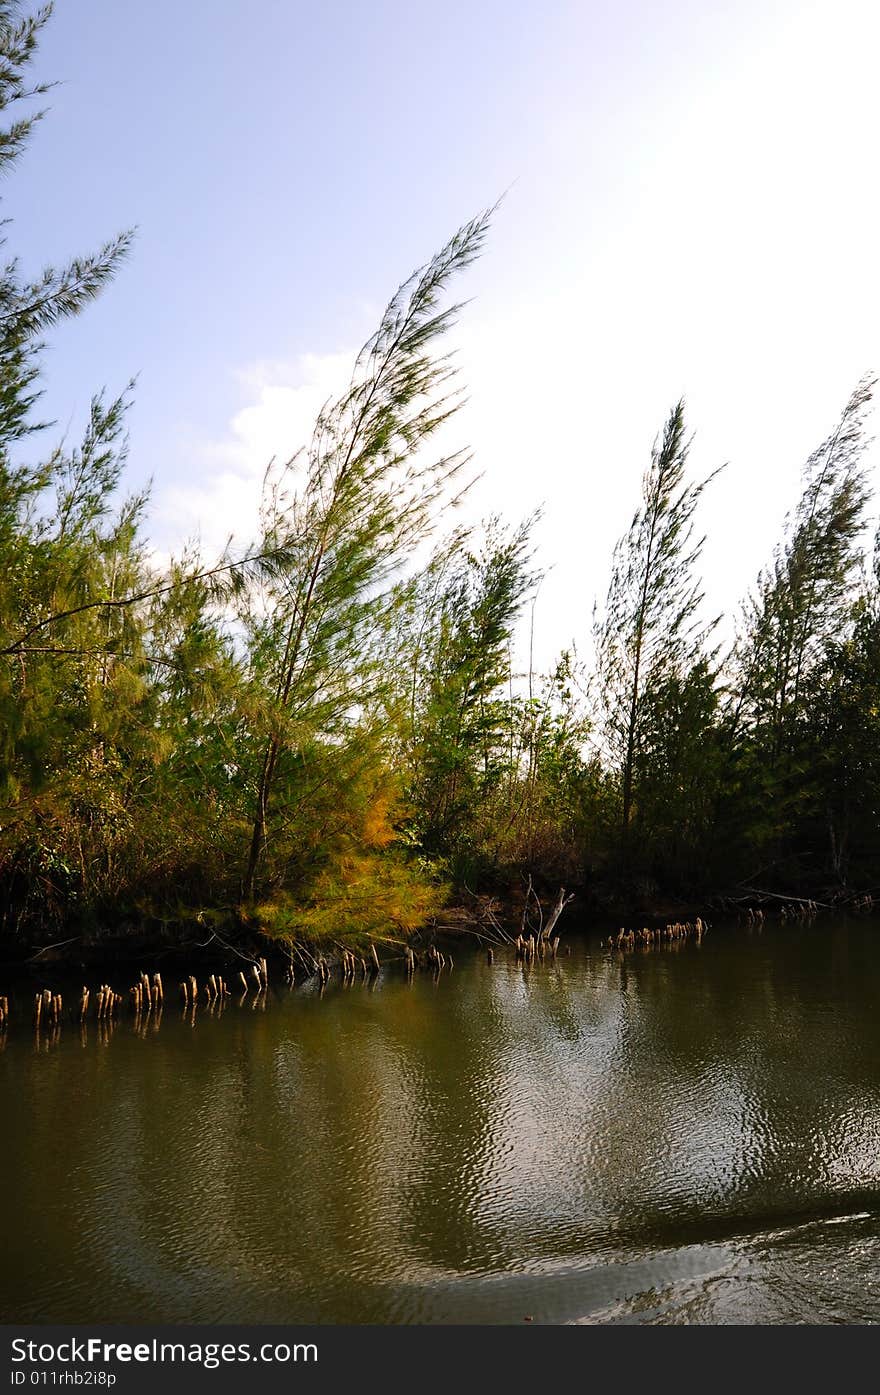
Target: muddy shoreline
179 947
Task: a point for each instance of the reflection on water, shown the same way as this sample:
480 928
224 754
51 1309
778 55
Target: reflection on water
657 1137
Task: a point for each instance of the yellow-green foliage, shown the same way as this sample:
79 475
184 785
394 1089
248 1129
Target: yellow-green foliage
364 886
359 896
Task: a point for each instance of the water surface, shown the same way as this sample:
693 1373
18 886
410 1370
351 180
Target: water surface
684 1134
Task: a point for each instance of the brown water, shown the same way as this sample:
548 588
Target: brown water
677 1135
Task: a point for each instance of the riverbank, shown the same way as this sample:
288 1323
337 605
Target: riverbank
223 940
199 936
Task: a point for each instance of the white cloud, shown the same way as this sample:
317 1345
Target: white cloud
221 497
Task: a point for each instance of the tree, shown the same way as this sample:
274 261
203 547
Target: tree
457 747
677 772
46 556
650 630
785 673
841 748
366 500
544 815
803 597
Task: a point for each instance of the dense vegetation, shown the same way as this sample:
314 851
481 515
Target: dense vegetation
323 735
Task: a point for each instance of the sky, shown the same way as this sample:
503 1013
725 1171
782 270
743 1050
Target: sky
691 208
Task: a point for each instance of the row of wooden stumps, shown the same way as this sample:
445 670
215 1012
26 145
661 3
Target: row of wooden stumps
433 959
676 932
798 910
49 1006
146 995
352 966
215 988
529 948
370 967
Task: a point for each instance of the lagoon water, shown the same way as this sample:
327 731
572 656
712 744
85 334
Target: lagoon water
678 1135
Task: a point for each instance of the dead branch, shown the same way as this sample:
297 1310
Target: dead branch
561 902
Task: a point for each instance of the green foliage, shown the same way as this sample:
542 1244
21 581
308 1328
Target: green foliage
802 600
456 653
677 775
650 635
349 514
789 661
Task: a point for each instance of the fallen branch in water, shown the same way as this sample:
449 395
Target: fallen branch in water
789 900
57 945
561 902
214 935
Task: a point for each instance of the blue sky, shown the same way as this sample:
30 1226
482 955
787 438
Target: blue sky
690 210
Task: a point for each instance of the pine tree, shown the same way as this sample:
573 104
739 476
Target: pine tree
650 631
56 538
366 499
457 747
802 598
